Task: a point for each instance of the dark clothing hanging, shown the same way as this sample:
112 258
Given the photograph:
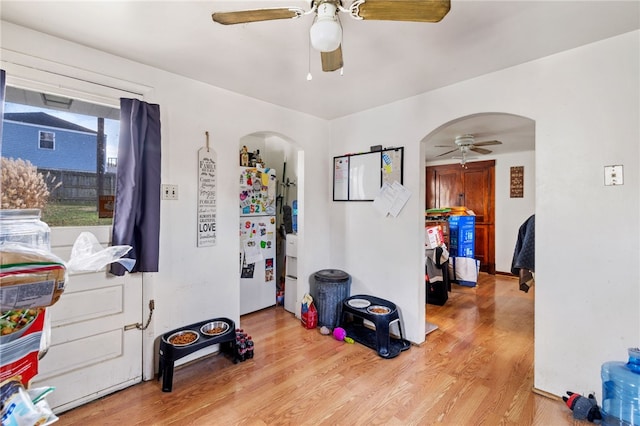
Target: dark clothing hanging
437 276
523 263
136 219
2 93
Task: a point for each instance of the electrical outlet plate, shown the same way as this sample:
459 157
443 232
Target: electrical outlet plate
169 192
613 175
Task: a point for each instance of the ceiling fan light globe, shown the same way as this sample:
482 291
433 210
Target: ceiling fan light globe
326 35
464 140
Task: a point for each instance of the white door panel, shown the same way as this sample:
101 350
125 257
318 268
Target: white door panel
90 354
87 305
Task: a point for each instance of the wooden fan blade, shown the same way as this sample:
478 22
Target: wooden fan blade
244 16
332 61
485 143
448 152
480 150
403 10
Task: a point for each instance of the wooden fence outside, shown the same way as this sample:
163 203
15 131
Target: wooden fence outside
76 186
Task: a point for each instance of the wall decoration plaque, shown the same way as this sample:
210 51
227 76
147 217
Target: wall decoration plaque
517 182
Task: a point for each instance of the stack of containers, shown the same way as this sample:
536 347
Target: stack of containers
24 227
462 236
30 279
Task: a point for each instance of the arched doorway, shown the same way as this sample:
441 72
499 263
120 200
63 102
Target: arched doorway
516 135
280 158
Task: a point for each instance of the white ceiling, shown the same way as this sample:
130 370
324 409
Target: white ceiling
384 61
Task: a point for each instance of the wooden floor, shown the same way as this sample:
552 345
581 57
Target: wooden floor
476 369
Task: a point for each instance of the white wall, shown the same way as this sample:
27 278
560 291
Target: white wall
586 107
284 154
193 283
512 212
585 103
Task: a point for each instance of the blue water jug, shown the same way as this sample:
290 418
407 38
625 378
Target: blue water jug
621 391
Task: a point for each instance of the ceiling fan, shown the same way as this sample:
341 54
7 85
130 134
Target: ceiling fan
326 32
466 144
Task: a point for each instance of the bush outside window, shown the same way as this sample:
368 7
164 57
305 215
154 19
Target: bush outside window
70 173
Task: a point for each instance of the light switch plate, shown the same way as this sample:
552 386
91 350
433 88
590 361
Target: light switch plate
169 192
613 175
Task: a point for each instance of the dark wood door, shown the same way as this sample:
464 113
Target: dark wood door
447 188
473 187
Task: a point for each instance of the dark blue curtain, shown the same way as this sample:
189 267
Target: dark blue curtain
2 89
136 219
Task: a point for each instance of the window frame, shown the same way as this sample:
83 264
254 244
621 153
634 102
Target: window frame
41 133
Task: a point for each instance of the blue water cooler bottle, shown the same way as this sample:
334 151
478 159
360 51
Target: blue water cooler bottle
621 391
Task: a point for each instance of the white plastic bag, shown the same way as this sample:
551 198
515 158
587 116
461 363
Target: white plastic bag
465 270
87 255
21 407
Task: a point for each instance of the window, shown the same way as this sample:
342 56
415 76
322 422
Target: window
73 166
47 140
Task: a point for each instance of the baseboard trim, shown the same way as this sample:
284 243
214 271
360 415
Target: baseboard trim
546 394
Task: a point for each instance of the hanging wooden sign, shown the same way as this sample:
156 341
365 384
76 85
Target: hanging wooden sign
207 196
517 182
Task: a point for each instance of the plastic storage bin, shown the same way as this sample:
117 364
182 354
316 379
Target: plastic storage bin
621 391
332 287
24 226
462 236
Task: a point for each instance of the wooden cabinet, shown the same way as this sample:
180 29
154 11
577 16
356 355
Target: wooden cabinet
473 187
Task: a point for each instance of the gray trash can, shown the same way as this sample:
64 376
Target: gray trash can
332 287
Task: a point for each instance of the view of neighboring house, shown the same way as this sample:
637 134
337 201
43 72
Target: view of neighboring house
64 151
49 142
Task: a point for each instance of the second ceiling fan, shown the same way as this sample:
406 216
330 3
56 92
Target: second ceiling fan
466 144
326 31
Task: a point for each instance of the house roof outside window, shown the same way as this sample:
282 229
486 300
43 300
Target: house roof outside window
46 120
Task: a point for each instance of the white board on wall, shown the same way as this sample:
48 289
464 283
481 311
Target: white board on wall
359 177
364 176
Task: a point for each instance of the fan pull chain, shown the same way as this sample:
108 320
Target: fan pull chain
341 45
309 76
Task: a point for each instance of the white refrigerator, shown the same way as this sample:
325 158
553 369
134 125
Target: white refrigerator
257 239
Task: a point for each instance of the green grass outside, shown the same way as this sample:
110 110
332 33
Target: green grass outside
61 214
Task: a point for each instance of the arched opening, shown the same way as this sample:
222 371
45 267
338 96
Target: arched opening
269 220
510 144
